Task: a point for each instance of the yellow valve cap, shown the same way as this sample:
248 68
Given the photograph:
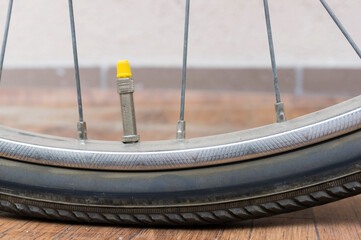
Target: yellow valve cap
123 69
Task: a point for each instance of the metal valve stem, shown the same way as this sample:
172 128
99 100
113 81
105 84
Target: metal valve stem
125 90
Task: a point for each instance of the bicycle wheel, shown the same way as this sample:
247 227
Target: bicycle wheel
286 166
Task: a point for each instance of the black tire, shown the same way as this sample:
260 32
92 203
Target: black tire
294 180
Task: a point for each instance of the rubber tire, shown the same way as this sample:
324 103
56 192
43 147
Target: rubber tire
281 183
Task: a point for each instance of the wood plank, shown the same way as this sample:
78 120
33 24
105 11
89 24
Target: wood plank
98 232
8 222
294 225
340 218
283 228
154 233
237 231
25 228
355 203
189 234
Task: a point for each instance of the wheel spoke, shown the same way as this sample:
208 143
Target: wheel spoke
279 106
341 27
181 122
82 132
5 38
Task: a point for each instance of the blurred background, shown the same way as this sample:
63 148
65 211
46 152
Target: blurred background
229 77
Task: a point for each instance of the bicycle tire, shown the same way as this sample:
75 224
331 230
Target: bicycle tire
216 192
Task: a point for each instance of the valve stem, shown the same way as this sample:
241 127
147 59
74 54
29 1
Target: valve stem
125 85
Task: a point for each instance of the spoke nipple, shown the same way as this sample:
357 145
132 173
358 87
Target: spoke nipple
125 85
82 132
181 129
280 112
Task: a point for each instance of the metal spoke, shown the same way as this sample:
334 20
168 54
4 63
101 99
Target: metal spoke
82 132
5 38
181 122
341 27
280 114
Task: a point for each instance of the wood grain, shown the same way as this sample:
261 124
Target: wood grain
339 219
284 228
53 112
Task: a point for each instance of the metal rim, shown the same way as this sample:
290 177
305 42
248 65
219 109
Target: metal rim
176 154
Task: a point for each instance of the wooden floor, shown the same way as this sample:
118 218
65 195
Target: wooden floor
46 111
